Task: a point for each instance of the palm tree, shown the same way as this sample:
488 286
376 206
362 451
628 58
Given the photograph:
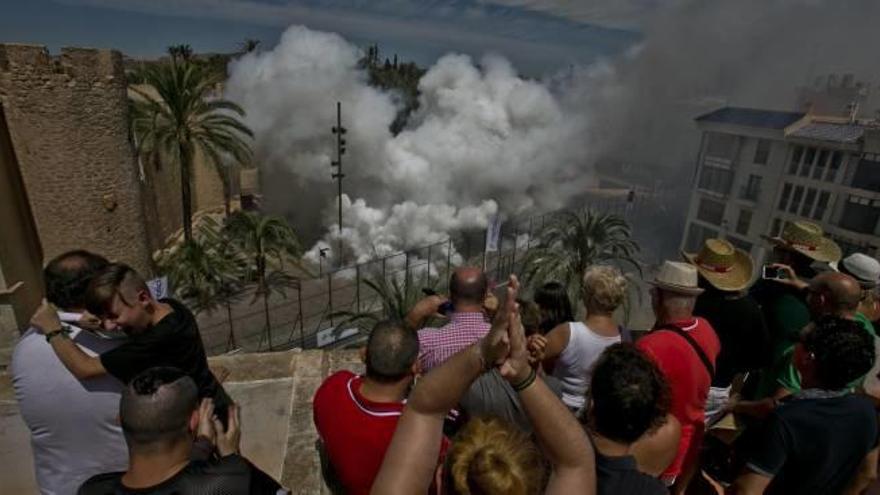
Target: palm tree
206 272
572 242
176 116
267 241
249 45
180 52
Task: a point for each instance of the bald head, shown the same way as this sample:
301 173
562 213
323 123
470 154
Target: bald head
468 286
839 292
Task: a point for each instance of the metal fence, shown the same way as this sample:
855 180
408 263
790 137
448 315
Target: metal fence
305 317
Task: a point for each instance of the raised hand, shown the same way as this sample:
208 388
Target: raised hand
536 345
228 440
496 344
206 423
45 319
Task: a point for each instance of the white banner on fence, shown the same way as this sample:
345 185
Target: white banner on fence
330 335
493 233
158 287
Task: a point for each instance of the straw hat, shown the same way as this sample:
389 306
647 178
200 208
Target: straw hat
674 276
722 265
809 240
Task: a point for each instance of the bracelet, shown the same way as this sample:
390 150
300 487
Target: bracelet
54 333
527 382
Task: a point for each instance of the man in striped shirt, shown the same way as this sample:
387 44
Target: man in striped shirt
468 289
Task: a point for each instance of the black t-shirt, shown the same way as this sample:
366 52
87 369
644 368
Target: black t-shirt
231 475
174 341
740 325
616 475
813 445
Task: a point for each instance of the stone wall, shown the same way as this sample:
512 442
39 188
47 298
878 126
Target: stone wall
68 118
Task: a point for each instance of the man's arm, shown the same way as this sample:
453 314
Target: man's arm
865 476
749 483
80 364
422 310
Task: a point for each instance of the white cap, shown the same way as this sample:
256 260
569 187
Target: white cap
863 267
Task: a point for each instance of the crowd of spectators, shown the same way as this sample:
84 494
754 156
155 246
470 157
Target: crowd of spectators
751 380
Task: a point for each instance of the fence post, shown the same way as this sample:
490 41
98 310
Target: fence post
513 259
406 272
428 268
330 296
299 301
448 258
357 281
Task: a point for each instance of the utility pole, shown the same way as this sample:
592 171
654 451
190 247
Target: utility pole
338 130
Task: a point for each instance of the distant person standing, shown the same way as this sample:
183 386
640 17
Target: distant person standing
726 273
685 348
161 333
73 426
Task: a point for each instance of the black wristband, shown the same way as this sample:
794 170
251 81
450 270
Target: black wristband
54 333
527 382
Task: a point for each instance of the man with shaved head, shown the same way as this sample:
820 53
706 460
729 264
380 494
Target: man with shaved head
161 417
468 289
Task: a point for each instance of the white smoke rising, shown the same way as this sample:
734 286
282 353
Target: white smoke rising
483 140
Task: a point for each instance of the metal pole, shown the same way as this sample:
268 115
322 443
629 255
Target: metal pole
340 150
448 259
330 295
406 273
357 290
428 268
299 300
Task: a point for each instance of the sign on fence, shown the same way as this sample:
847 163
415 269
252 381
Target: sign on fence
493 233
158 287
330 335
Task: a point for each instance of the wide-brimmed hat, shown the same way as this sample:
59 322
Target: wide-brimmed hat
722 265
808 239
865 269
675 276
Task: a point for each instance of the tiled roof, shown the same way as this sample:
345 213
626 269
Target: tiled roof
827 131
750 117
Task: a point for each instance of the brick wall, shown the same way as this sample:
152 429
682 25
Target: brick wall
68 119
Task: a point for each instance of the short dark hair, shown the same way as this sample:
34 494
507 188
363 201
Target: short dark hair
392 349
843 351
68 275
468 291
629 394
107 283
555 305
156 406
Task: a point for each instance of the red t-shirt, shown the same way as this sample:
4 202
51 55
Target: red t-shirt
355 431
688 379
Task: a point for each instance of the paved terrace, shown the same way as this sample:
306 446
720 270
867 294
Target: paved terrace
275 391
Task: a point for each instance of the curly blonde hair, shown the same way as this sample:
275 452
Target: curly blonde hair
604 289
492 457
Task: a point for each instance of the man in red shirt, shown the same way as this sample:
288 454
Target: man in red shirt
356 415
684 348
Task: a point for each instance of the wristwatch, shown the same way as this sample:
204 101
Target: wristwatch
54 333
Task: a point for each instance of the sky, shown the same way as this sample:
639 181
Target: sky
537 36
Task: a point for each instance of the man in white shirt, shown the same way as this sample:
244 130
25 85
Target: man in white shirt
74 428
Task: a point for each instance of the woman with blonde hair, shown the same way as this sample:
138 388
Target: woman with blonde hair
573 347
488 457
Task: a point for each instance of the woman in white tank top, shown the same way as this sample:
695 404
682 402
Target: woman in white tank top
573 347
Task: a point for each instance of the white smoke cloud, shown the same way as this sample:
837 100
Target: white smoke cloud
483 140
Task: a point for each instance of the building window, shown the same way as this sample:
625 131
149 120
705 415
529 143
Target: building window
744 222
783 198
721 145
819 169
752 190
849 246
809 156
745 246
762 152
834 166
809 199
795 160
710 211
821 205
776 229
860 215
796 199
696 235
867 174
718 180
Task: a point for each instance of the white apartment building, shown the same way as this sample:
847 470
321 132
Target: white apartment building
757 169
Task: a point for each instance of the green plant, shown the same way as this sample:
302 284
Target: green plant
174 115
271 248
573 241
